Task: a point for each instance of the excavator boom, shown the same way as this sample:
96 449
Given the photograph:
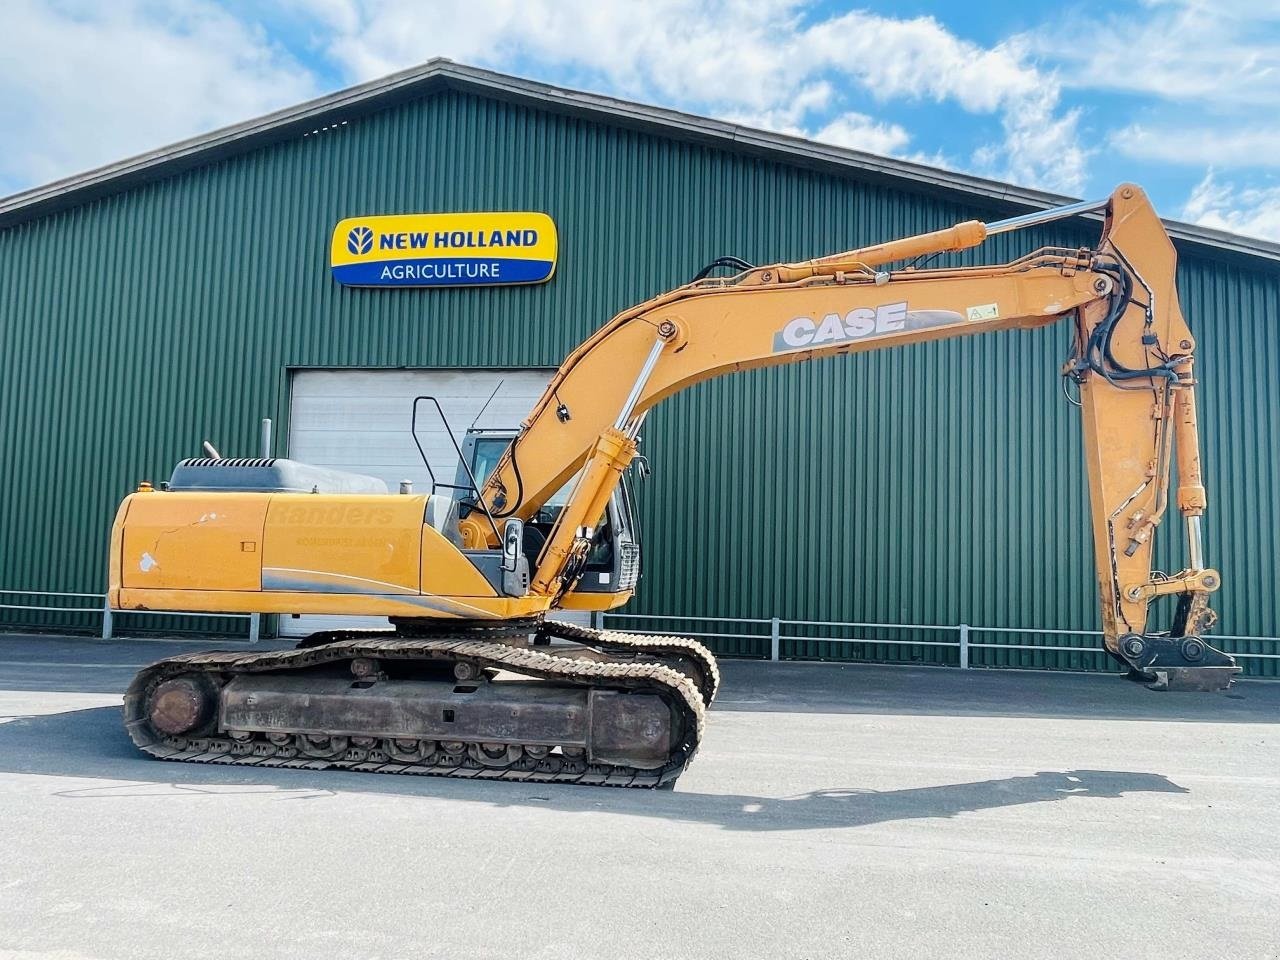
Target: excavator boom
1133 365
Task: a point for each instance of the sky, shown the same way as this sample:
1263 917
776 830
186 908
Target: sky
1181 96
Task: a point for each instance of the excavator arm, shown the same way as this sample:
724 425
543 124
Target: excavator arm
1132 362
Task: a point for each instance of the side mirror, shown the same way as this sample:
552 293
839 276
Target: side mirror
515 568
512 544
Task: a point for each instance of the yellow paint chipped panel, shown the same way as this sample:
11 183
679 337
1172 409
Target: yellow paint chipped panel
182 541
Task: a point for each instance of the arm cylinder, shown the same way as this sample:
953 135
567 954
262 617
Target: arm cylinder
1191 495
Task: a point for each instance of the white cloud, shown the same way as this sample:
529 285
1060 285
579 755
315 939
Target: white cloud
1201 78
134 74
1220 144
789 117
1221 54
718 52
87 83
1251 210
860 132
920 59
854 130
754 61
1040 139
851 129
1199 83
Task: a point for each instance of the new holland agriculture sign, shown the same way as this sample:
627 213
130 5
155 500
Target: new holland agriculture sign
443 250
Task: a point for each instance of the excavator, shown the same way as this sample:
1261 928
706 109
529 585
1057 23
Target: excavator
472 678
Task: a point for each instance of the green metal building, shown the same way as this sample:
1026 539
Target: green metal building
185 295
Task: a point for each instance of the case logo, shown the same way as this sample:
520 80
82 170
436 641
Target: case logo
860 323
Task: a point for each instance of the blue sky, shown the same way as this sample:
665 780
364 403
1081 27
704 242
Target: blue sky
1182 96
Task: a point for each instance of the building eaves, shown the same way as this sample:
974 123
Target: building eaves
420 81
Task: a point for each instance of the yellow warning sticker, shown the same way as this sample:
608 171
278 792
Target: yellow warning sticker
984 311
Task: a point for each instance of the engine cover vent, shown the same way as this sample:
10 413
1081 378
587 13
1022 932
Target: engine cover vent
267 475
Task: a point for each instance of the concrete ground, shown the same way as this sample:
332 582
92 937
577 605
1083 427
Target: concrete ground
834 811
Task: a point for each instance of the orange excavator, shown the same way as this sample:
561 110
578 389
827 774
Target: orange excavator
473 679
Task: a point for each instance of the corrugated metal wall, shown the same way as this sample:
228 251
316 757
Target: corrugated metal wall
937 484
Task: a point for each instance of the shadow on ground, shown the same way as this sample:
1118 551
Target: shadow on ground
92 744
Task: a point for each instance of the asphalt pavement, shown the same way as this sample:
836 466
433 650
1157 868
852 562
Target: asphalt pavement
834 811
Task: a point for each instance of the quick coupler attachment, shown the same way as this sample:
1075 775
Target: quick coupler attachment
1177 663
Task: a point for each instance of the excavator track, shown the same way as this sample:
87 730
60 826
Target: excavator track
685 655
183 678
694 658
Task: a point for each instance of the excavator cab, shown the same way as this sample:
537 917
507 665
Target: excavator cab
612 566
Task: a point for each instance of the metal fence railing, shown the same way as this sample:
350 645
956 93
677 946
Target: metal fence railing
100 609
775 638
780 639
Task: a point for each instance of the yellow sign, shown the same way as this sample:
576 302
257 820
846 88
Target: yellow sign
443 249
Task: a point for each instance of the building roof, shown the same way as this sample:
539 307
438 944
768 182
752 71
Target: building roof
443 74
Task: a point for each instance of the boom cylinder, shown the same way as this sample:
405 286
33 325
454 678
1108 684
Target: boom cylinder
586 505
970 233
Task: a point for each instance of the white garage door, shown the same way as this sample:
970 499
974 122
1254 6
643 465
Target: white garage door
358 420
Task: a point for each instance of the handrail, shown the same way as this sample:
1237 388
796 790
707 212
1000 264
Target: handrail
775 636
962 642
413 428
104 610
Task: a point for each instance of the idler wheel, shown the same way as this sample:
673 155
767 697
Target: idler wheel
182 704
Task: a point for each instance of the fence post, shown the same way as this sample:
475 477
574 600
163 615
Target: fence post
106 618
597 619
964 646
775 642
255 626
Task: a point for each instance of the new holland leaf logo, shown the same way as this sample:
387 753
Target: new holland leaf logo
360 240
